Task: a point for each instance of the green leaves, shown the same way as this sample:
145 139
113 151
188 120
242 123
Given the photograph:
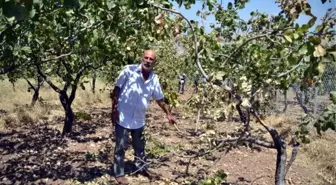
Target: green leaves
304 49
315 40
327 119
333 96
12 9
218 178
229 7
288 34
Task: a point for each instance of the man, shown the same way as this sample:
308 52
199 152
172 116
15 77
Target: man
182 79
198 81
135 86
195 84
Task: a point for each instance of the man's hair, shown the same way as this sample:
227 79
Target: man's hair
156 56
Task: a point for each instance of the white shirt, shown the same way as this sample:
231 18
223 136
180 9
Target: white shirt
135 95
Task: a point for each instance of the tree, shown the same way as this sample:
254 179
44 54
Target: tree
64 40
67 40
280 41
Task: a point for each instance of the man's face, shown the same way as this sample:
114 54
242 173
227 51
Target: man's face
148 60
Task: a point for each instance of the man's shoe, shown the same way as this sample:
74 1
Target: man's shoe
122 180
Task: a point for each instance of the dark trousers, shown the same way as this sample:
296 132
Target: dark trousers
138 144
181 87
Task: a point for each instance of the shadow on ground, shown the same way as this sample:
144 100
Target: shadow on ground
29 155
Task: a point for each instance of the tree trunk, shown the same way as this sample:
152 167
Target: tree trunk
13 86
299 99
69 115
280 172
35 97
285 101
280 146
36 90
306 96
94 78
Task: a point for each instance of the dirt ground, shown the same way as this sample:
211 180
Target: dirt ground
34 154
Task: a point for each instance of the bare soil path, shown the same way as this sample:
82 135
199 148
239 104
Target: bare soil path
36 155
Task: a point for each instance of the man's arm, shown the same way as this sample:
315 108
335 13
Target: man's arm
115 96
164 107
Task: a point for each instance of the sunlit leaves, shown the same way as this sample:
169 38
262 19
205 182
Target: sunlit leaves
327 119
240 4
333 96
288 37
319 51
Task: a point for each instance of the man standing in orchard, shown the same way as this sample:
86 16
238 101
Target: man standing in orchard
131 95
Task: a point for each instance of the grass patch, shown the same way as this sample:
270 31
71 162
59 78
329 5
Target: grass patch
15 103
82 116
322 152
157 149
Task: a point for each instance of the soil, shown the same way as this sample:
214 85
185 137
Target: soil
37 155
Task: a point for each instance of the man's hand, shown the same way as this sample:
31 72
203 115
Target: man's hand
171 119
164 107
115 116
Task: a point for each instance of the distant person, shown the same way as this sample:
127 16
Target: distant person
198 81
195 84
203 80
131 95
182 80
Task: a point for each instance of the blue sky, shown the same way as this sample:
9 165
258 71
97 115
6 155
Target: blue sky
266 6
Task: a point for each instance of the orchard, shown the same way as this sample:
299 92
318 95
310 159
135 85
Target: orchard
60 59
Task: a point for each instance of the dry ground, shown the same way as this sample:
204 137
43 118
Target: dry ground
32 153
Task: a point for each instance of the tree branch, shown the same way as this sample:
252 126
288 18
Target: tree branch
243 44
262 123
47 79
30 84
75 83
248 139
194 34
58 72
289 71
230 140
296 147
74 37
67 67
58 57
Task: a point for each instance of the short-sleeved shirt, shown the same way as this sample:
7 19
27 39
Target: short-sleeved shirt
135 95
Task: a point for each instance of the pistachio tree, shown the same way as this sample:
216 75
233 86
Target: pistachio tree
269 51
64 41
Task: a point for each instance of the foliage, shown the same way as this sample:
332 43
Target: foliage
67 41
327 120
82 116
211 101
159 149
218 178
323 122
170 64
